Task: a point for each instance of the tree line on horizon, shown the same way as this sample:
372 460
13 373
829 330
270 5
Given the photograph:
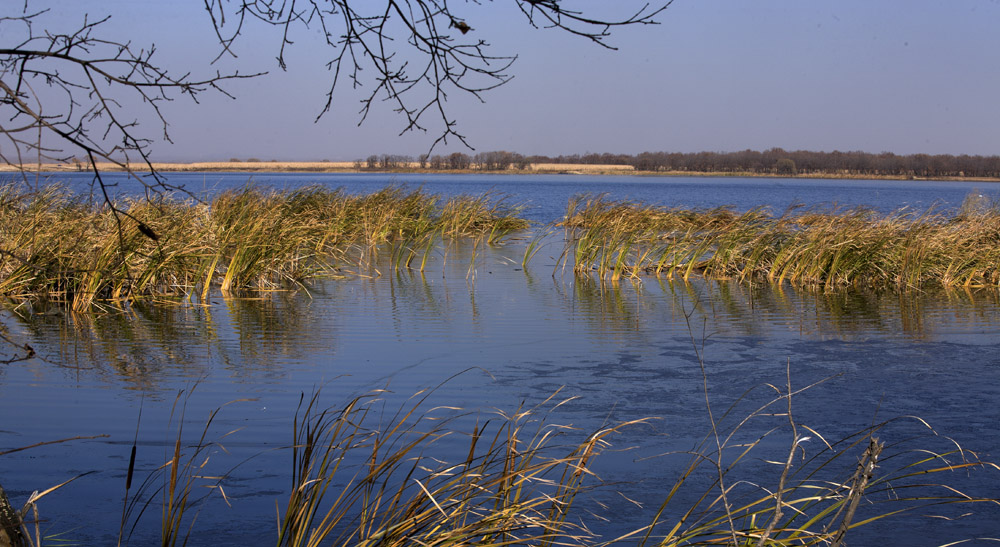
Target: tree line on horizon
498 160
774 161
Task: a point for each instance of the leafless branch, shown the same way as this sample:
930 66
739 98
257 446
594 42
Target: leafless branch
410 54
76 93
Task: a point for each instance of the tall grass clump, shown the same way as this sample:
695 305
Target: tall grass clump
489 215
59 247
373 472
818 491
358 484
178 487
825 249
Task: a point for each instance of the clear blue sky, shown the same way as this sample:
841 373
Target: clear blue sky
904 76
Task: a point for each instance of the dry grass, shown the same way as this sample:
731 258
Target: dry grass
255 166
855 248
56 247
818 491
582 168
357 485
369 472
314 166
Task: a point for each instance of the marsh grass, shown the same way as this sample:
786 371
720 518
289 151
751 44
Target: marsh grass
357 485
370 472
180 486
57 247
824 249
818 491
376 472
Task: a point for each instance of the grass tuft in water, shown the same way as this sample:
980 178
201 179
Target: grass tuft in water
819 491
57 247
354 484
369 472
825 249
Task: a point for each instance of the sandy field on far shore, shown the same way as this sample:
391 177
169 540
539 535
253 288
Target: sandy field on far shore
199 166
317 167
352 167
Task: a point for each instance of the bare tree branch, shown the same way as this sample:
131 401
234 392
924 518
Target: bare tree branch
76 93
410 53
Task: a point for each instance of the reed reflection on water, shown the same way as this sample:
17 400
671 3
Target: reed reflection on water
629 350
249 332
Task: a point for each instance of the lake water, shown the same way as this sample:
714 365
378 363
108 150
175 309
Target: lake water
492 334
546 196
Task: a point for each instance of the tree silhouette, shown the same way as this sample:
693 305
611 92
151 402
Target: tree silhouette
64 94
79 92
412 53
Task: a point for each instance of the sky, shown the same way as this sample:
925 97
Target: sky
904 76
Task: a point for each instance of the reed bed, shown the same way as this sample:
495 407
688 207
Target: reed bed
371 472
825 249
514 484
818 491
55 246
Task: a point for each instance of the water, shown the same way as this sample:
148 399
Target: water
546 196
494 336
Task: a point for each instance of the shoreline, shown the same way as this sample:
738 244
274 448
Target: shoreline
537 169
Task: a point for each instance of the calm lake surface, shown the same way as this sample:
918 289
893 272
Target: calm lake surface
545 196
489 334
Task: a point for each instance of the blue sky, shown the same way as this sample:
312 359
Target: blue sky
904 76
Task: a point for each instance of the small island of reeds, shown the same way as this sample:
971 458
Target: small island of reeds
827 249
65 248
59 247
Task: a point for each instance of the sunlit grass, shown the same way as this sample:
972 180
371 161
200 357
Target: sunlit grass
57 247
374 472
357 485
825 249
819 491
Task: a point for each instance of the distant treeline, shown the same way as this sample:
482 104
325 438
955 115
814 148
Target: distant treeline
774 161
778 161
485 161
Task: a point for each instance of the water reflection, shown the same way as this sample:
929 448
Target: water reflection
254 334
611 307
757 310
143 345
132 348
270 329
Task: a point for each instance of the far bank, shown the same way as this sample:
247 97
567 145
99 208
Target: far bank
415 168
